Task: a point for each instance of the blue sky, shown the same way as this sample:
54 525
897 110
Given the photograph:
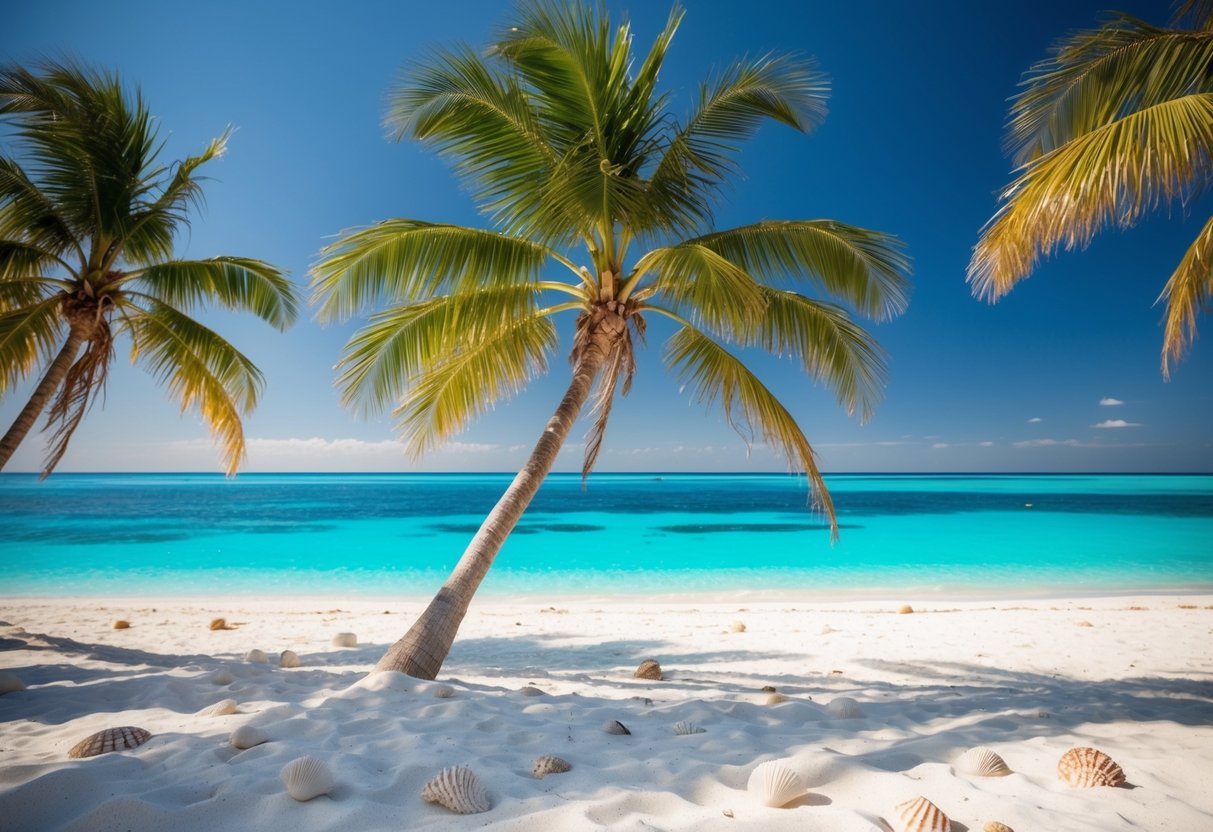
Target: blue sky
912 146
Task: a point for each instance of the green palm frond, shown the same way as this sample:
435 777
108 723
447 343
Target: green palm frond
445 396
407 260
1194 14
28 214
1186 294
715 375
201 370
19 260
28 334
1110 175
237 283
707 286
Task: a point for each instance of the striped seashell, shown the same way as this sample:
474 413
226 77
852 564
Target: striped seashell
288 658
776 698
247 736
681 729
616 727
983 762
996 826
256 657
531 690
1086 767
550 764
10 682
648 669
844 707
306 777
737 626
221 708
120 624
345 640
921 815
443 692
458 789
111 739
774 784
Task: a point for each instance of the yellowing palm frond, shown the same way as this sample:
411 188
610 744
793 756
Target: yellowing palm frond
707 286
1187 293
28 334
236 283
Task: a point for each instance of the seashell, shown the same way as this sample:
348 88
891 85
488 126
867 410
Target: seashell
10 682
443 692
246 736
921 815
306 777
459 790
220 624
288 658
905 609
111 739
256 657
983 762
774 784
681 729
844 707
531 690
549 764
776 698
1086 767
996 826
222 677
649 669
121 624
615 727
221 708
737 626
345 640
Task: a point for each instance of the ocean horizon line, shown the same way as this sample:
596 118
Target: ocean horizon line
661 473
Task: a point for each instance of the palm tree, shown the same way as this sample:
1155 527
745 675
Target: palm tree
566 143
87 226
1117 122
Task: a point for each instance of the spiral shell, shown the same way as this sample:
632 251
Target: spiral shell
256 657
111 739
306 777
219 624
459 790
288 658
120 624
221 708
345 640
681 729
550 764
247 736
983 762
615 727
10 682
921 815
648 669
844 707
1086 767
774 784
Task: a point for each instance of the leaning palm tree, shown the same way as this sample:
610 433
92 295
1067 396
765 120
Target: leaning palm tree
1117 122
88 220
567 145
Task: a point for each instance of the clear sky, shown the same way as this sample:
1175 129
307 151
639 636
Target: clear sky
912 146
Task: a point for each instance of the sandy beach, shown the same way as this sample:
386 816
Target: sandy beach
1030 679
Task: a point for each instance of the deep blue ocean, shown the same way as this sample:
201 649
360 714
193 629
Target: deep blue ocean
399 534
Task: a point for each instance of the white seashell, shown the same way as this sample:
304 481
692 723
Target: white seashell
345 640
459 790
983 762
256 657
681 729
844 707
774 784
648 669
615 727
1086 767
222 677
111 739
306 777
443 692
10 682
288 658
549 764
921 815
246 736
737 626
221 708
531 690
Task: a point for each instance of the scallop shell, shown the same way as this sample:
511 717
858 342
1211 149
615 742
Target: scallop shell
531 690
306 777
288 658
996 826
121 624
221 708
844 707
776 698
443 692
549 764
983 762
345 640
1085 767
256 657
649 669
10 682
459 790
921 815
219 624
737 626
111 739
681 729
615 727
774 784
246 736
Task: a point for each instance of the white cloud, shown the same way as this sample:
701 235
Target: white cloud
1047 443
939 445
1116 423
1035 420
986 444
1108 401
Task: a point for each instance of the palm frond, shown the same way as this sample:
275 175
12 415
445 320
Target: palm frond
1195 14
28 334
237 283
707 286
715 375
23 261
1110 175
1186 294
29 215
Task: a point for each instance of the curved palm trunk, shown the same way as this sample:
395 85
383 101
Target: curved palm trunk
46 388
423 649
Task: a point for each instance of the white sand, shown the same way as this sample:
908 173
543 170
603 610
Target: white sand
1028 679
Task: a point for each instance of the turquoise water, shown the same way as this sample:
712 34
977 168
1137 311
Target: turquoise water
393 534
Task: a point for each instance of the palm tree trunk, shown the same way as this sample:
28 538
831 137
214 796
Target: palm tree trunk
46 388
423 649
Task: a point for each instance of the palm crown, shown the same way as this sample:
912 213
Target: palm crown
88 221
